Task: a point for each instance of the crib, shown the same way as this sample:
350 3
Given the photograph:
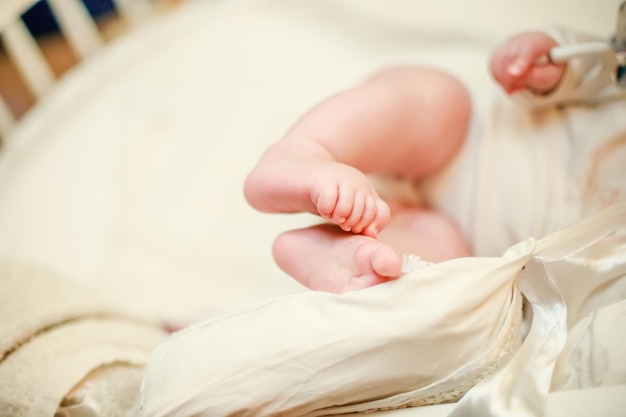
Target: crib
123 170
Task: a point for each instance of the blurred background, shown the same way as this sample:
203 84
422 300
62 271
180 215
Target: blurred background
43 25
512 15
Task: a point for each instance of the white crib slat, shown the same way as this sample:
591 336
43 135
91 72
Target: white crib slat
77 26
6 118
27 56
134 10
12 9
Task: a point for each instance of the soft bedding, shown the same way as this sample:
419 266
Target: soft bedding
426 338
58 338
127 177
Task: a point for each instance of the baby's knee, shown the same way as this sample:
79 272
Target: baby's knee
451 239
447 241
441 97
448 92
445 86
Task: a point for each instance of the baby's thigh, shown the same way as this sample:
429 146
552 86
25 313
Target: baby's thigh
423 231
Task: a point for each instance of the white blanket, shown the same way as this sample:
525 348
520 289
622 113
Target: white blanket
425 338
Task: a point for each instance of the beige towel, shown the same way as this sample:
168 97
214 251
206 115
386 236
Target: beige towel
56 337
93 397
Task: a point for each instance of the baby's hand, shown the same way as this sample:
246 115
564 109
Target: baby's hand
346 196
522 63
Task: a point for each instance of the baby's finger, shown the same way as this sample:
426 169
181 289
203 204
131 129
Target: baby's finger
497 66
519 68
509 69
544 77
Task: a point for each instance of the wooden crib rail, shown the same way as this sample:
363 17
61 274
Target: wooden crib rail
77 27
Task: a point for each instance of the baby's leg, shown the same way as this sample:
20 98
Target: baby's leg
424 232
326 258
407 122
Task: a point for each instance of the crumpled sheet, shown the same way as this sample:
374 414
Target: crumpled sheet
438 329
55 336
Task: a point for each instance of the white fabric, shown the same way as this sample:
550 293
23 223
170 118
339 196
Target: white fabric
425 338
324 354
520 388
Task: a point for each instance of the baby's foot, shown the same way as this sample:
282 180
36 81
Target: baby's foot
324 258
346 196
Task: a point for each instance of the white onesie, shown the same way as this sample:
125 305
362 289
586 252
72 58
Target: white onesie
535 164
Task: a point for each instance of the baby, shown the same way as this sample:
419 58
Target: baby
471 166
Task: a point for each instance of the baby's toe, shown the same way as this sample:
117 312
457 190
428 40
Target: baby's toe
343 208
380 220
368 214
356 213
325 199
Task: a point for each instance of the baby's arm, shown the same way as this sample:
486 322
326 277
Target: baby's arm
521 66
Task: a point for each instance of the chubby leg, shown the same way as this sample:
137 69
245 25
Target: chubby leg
407 122
424 232
324 257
